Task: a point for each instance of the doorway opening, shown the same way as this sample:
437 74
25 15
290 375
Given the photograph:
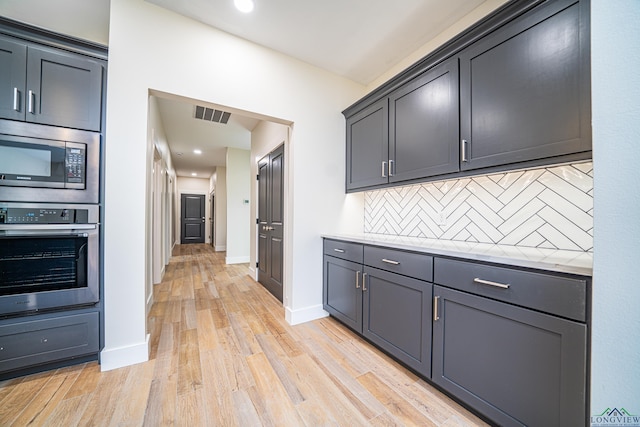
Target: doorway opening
171 114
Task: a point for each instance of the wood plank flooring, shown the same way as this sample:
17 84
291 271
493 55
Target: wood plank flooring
222 354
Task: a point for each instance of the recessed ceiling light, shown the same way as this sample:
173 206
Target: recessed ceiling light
244 6
194 174
196 151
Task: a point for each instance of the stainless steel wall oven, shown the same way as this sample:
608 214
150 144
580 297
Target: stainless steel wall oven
48 257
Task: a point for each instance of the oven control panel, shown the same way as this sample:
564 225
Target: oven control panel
43 216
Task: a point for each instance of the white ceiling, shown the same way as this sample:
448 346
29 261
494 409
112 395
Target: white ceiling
357 39
186 133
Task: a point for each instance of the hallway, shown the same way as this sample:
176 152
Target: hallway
222 354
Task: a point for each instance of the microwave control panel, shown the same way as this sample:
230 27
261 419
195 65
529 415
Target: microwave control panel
75 163
43 216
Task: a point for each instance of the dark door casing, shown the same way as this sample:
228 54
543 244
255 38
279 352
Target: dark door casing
271 221
192 218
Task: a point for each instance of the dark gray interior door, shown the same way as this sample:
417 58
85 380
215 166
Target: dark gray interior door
212 220
192 218
271 221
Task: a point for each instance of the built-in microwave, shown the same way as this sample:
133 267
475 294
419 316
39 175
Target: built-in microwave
29 162
48 169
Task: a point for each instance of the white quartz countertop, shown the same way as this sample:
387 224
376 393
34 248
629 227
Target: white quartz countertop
562 261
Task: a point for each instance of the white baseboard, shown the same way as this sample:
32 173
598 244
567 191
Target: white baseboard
220 248
124 356
236 259
302 315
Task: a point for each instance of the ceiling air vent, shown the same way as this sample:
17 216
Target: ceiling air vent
211 115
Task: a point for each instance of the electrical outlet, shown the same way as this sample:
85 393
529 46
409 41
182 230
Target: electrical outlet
442 219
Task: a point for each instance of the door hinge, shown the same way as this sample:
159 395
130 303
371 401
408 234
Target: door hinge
257 177
257 220
257 264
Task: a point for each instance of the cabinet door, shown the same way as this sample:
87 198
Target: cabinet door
423 125
525 89
342 291
368 147
13 59
63 89
397 317
516 366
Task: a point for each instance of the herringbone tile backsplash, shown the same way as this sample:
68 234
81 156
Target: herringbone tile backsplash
546 208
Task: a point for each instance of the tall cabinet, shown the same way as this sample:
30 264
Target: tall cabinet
52 87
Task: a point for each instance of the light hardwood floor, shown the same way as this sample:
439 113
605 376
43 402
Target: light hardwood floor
222 354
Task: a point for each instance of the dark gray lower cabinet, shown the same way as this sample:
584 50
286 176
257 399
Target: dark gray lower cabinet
42 339
391 310
342 295
397 316
514 365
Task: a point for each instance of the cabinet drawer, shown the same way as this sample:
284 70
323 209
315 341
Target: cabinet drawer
345 250
34 342
559 295
411 264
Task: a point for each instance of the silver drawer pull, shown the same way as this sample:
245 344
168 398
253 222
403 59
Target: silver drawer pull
490 283
390 261
358 279
339 250
16 99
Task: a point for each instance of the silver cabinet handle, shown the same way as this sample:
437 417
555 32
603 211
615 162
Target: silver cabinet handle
31 94
463 149
339 250
384 169
364 282
435 309
490 283
391 163
390 261
358 279
16 99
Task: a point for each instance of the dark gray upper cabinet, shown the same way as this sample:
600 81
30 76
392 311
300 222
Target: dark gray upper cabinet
423 125
13 57
367 146
524 89
513 91
516 366
411 134
49 86
66 89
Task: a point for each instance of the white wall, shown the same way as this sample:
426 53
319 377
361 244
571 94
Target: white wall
264 138
615 61
192 60
188 185
220 217
238 212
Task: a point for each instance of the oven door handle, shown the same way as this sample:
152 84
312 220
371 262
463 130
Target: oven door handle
45 229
